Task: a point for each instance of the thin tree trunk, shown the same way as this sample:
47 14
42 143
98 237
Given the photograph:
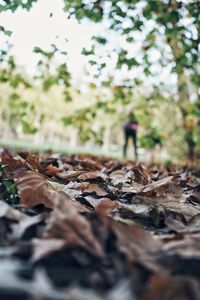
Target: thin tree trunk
183 95
183 104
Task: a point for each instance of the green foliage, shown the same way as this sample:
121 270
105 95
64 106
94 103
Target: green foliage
13 5
9 72
88 52
89 9
48 54
5 31
27 127
100 40
151 139
60 76
10 187
124 60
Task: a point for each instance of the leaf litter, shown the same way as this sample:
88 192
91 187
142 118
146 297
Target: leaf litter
84 227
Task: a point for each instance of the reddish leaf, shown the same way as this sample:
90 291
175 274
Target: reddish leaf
166 288
105 206
52 170
33 162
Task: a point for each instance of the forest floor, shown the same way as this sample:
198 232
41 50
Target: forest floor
80 227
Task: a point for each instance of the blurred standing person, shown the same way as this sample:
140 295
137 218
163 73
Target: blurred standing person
130 132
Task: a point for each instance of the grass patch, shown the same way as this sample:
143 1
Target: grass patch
58 148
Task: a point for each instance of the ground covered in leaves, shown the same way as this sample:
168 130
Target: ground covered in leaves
86 228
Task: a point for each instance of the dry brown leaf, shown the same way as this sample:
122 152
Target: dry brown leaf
67 167
72 193
94 188
105 206
13 163
194 198
44 247
33 162
87 187
91 164
93 175
141 175
79 206
69 175
22 221
136 243
166 288
11 213
66 223
80 186
187 211
188 246
56 186
52 170
121 177
33 189
134 188
159 187
20 228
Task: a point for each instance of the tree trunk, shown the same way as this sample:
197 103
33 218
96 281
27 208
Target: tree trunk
183 95
183 104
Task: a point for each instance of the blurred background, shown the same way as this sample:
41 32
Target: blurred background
71 72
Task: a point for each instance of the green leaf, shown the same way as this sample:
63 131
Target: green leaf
10 186
14 96
92 62
6 32
67 121
132 62
100 40
129 39
28 128
87 52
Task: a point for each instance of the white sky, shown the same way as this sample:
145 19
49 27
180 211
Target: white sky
37 28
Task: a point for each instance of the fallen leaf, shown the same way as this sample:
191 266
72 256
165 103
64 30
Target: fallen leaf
69 175
105 207
166 288
66 223
44 247
136 244
33 189
20 228
10 212
93 175
87 187
121 177
159 187
52 170
90 164
141 175
13 163
33 162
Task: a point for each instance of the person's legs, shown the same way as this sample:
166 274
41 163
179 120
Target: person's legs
126 136
134 137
